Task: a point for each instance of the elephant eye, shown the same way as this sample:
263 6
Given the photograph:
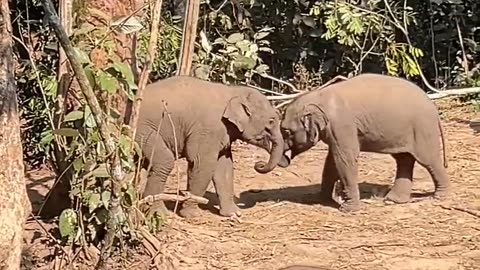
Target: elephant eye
271 122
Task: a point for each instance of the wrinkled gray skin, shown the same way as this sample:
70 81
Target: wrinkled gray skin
370 113
207 118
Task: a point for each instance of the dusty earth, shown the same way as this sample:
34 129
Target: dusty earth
283 224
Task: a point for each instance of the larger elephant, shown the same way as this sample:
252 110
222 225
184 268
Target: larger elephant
205 118
370 113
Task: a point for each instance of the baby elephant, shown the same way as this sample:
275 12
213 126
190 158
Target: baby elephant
199 122
370 113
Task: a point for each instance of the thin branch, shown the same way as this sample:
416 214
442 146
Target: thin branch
152 45
294 89
264 90
464 54
292 96
405 33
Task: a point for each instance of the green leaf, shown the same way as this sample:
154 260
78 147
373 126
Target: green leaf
106 195
202 71
316 32
204 41
78 164
101 171
262 68
107 82
309 21
132 194
127 26
126 71
235 37
244 62
89 119
67 222
261 35
82 56
72 116
66 132
93 202
46 138
90 75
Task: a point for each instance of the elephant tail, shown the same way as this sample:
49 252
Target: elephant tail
445 163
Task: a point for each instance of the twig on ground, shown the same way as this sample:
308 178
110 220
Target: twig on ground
378 245
183 196
461 209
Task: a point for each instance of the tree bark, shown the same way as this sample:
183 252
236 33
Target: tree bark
188 39
14 203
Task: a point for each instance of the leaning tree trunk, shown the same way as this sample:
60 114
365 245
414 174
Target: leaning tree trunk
14 204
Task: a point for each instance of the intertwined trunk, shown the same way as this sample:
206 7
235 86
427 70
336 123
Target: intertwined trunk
14 204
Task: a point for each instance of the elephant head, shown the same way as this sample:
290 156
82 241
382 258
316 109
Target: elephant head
302 127
256 122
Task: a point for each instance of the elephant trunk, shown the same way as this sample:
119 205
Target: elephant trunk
276 153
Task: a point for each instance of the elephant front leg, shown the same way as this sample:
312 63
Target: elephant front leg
201 169
345 157
329 177
223 182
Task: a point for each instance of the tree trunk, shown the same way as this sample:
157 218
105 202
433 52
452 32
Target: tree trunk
14 203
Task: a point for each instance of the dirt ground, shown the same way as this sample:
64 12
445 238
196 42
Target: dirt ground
282 223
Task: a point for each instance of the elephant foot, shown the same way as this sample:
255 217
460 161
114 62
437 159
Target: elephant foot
350 206
400 192
190 210
231 210
441 194
397 197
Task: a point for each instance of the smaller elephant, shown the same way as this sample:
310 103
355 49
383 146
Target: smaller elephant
200 123
370 113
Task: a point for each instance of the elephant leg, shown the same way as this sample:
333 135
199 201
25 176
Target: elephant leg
161 164
402 187
345 149
439 176
329 177
201 168
223 182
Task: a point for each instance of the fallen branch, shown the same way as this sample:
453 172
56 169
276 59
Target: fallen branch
183 196
454 92
461 209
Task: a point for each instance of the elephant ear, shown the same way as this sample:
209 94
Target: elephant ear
314 121
237 112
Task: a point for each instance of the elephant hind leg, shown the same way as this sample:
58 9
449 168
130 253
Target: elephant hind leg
161 161
439 175
402 187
